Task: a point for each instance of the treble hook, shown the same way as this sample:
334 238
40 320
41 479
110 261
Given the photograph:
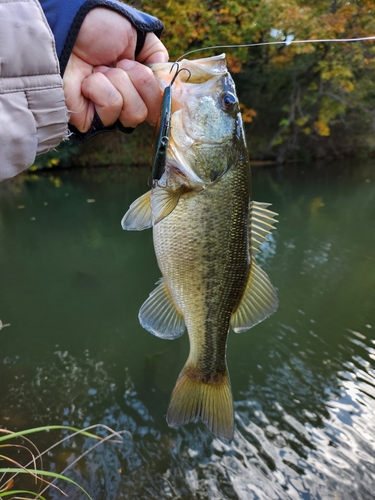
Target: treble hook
178 72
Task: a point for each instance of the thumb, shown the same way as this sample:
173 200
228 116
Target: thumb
153 50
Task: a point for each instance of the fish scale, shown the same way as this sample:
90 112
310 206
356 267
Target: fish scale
203 266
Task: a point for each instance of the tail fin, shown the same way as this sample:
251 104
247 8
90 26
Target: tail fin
211 401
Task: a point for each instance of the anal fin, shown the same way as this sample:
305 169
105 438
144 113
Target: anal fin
160 316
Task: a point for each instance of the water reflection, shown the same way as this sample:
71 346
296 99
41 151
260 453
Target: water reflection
303 381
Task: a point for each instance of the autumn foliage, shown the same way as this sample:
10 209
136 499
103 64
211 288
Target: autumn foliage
313 99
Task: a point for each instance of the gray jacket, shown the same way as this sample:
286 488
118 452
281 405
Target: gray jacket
33 115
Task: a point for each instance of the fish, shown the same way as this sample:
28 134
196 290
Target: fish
207 231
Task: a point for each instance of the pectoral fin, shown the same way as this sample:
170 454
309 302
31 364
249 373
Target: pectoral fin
139 215
150 208
163 202
160 316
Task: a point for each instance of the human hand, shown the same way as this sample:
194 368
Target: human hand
102 74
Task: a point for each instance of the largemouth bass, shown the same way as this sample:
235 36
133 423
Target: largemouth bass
206 231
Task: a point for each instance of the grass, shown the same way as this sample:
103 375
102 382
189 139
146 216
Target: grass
9 474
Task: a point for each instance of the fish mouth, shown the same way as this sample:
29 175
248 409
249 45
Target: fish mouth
198 70
195 89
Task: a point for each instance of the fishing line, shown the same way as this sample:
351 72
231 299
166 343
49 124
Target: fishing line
285 42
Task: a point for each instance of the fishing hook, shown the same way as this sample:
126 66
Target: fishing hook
178 72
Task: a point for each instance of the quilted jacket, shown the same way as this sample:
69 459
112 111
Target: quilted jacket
33 116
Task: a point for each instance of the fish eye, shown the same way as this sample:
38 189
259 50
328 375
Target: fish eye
228 100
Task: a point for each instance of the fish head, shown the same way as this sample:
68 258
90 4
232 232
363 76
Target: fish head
205 122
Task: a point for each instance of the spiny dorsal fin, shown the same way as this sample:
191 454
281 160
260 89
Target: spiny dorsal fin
163 202
258 302
139 216
160 316
261 224
212 402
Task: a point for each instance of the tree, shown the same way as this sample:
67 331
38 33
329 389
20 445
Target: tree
316 97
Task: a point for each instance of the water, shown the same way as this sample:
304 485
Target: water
303 381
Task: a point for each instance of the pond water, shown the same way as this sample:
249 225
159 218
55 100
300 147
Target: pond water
72 282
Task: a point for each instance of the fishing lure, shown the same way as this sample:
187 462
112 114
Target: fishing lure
162 139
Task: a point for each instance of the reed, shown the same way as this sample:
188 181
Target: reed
16 441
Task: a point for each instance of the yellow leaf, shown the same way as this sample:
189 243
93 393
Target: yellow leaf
53 162
234 64
302 121
322 128
247 113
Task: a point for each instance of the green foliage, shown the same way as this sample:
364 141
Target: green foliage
302 100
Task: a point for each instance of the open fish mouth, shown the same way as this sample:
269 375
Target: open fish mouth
200 112
199 70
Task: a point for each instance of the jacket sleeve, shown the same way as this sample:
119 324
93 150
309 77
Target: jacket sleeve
33 115
66 17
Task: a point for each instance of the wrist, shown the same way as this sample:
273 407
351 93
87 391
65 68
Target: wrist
66 18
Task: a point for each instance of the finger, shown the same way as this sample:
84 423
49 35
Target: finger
153 50
78 105
107 100
146 85
134 110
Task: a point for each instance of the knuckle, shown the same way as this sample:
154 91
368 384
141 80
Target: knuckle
114 99
141 114
147 77
135 116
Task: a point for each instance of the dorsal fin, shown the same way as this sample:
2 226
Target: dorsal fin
260 299
258 302
261 224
